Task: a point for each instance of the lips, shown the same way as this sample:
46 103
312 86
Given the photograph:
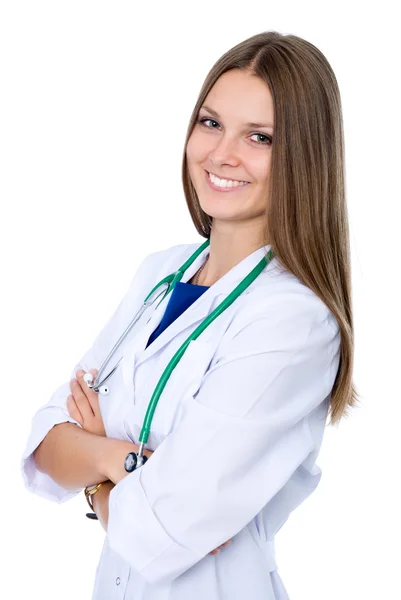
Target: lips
228 178
225 189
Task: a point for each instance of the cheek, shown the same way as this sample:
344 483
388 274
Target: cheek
198 147
261 172
192 149
195 154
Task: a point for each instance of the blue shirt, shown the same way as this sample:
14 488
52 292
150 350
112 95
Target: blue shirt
182 296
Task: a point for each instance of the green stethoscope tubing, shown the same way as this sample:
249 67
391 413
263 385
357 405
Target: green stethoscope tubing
171 279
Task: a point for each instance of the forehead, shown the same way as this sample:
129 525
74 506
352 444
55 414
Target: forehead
241 97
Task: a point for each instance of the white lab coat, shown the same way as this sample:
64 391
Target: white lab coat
237 431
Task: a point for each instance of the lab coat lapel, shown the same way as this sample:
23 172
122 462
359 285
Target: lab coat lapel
203 306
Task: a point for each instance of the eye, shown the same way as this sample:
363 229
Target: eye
267 137
204 119
268 140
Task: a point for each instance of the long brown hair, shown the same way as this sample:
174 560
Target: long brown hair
307 222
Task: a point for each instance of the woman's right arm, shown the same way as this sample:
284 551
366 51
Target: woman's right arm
69 455
73 457
56 456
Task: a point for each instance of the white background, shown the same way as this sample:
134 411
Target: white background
95 102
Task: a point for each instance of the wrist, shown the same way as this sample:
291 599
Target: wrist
99 496
101 503
111 459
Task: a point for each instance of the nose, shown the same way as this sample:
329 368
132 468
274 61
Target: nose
225 152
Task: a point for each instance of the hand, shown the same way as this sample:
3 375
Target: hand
83 405
217 550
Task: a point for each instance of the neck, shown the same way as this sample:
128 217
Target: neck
227 249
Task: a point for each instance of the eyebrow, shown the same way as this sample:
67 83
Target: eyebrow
216 114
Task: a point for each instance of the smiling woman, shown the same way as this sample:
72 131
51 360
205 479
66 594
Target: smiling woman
237 157
260 319
269 113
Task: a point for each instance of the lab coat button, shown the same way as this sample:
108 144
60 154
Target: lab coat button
118 581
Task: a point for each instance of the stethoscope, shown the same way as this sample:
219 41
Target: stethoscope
133 460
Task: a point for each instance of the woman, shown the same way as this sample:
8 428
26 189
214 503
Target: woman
238 427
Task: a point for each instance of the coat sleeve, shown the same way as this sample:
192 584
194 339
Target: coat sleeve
55 410
239 440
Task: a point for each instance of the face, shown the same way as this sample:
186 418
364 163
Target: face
232 139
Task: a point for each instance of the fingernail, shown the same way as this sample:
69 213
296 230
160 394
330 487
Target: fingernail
80 372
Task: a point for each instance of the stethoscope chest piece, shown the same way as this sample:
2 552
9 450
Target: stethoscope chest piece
131 461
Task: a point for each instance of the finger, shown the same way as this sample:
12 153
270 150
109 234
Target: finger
79 374
81 400
93 397
217 550
73 410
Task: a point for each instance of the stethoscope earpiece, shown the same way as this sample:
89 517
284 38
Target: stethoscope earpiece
104 390
88 378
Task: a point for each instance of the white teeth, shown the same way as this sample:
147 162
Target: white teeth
226 182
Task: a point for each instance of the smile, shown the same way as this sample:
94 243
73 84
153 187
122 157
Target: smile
224 185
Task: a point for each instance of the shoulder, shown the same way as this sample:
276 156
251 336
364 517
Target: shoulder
279 302
278 292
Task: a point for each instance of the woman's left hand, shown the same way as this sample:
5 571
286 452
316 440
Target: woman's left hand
83 405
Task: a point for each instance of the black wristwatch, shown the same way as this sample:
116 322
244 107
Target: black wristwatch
131 461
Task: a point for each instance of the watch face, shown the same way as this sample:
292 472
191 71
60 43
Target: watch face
130 462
